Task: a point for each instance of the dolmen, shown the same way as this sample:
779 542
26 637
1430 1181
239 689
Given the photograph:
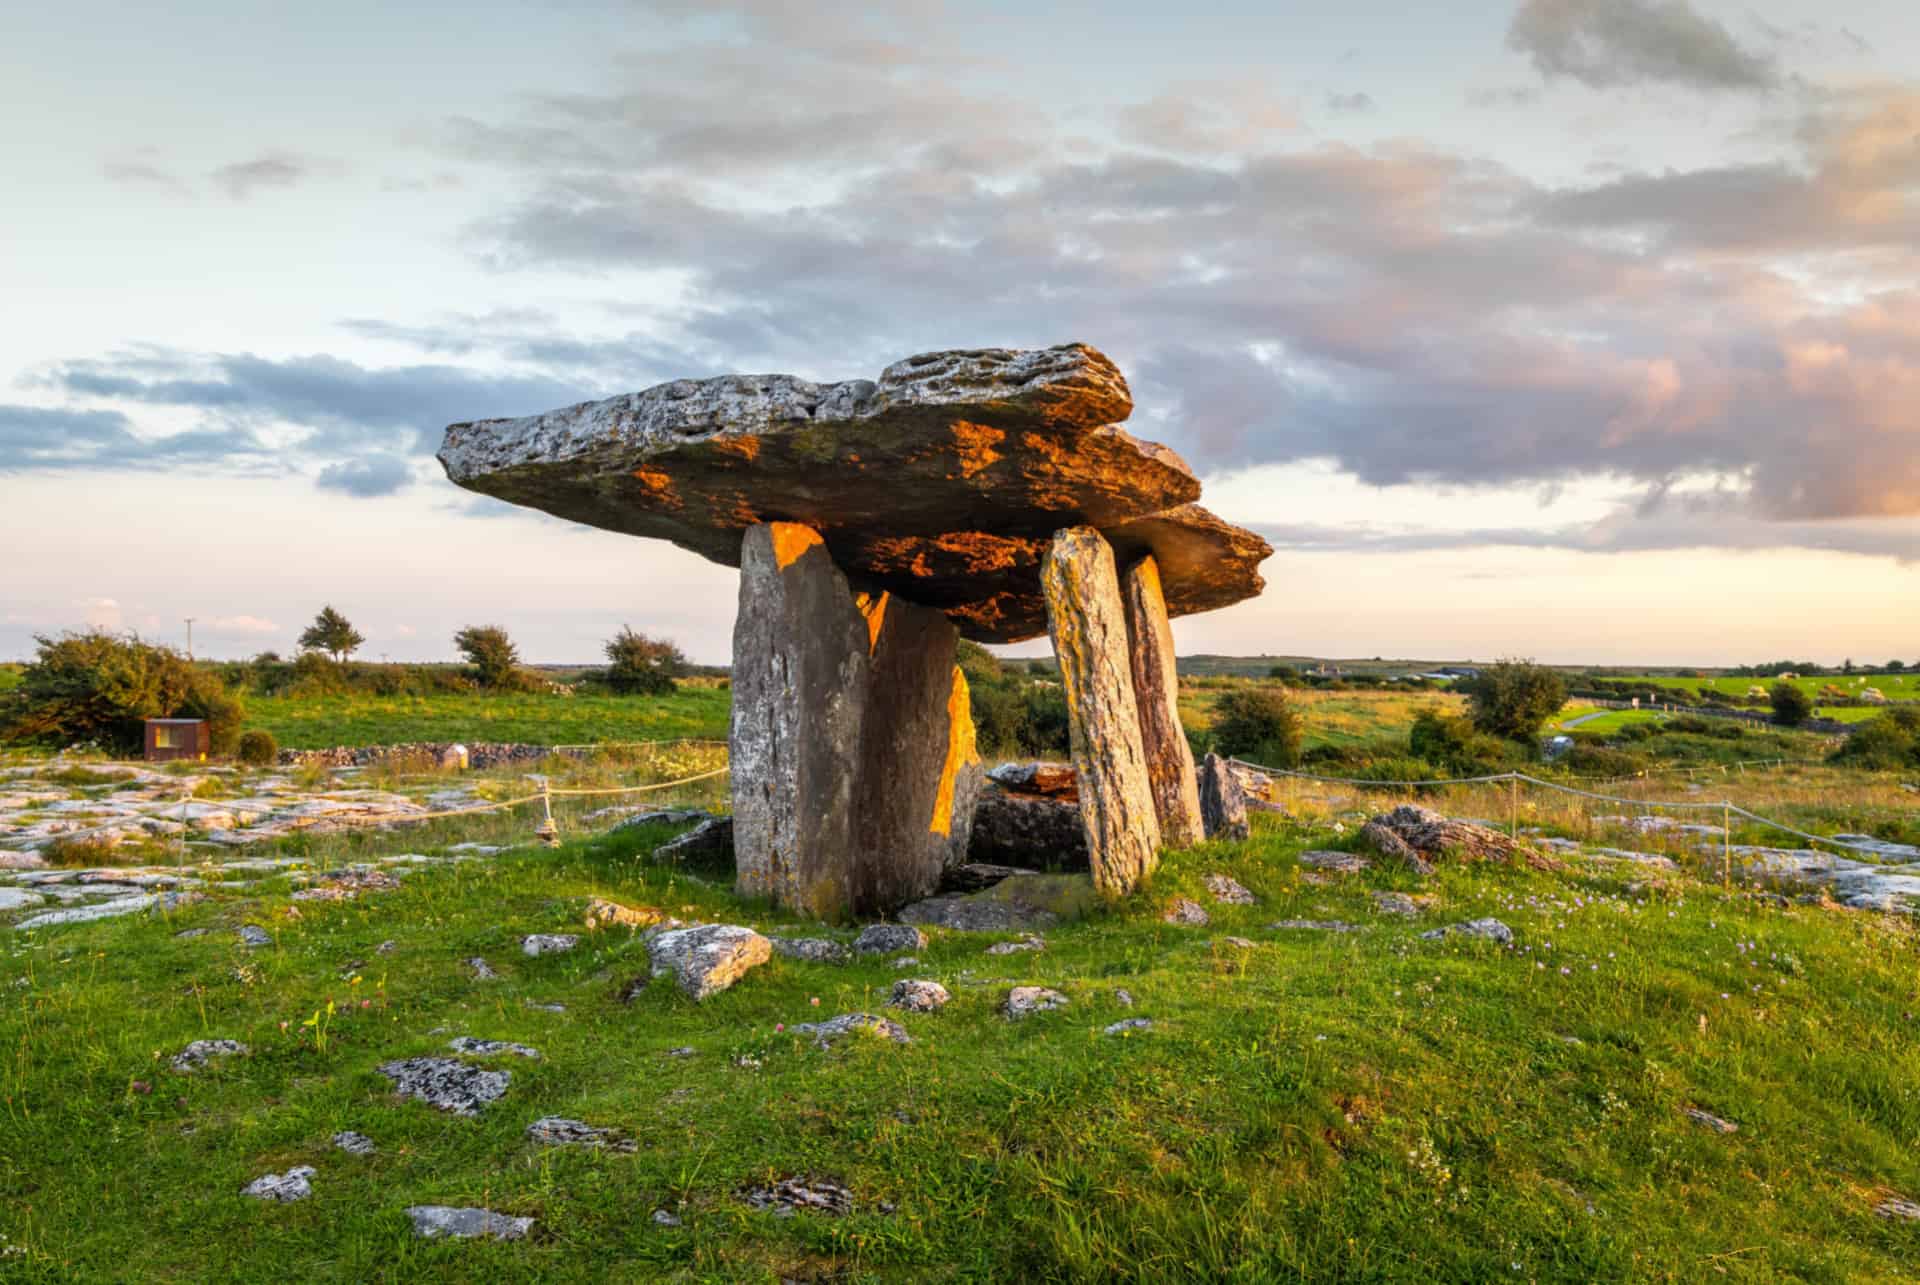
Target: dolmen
986 494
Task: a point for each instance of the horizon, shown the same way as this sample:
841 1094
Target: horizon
1584 330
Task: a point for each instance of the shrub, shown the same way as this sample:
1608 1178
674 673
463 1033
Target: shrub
1258 722
1514 698
1600 760
1791 705
100 687
1889 743
495 660
641 666
1455 745
258 748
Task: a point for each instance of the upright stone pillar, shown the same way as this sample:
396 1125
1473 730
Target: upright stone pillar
800 687
919 771
1156 690
1088 624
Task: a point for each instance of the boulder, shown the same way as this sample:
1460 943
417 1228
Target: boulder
918 996
536 944
1027 829
708 843
1483 929
1420 836
1156 690
708 958
1024 1001
977 875
1036 901
1087 621
813 950
1052 780
1223 806
1228 891
885 939
940 483
1187 913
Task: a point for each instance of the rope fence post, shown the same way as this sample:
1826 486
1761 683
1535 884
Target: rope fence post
1726 845
1513 807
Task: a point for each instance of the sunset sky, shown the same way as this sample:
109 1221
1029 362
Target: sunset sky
1581 329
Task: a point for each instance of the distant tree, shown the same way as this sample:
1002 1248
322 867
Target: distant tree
1258 722
641 666
332 633
1846 666
496 661
1896 666
1284 674
1513 698
101 687
1791 704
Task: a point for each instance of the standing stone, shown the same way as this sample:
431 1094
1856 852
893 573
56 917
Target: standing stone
1156 690
1088 624
800 679
1223 805
919 773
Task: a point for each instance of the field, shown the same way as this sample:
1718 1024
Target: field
315 722
1331 718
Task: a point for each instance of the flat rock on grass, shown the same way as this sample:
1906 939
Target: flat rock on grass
446 1084
1485 929
431 1222
1315 925
20 899
1711 1122
482 971
1341 863
1030 901
1897 1207
710 841
200 1052
1023 1001
283 1187
536 944
1028 942
558 1131
918 996
1127 1025
1227 891
1188 913
812 950
602 913
790 1196
885 939
1399 903
254 936
490 1048
707 959
826 1034
354 1144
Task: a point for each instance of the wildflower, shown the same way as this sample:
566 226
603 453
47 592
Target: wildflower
815 1001
283 1026
781 1026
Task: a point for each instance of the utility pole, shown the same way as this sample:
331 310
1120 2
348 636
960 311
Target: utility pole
190 620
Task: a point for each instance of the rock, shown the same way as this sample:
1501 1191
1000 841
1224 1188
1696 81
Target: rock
610 914
800 686
1227 891
667 816
975 876
1238 943
1419 836
1485 929
22 861
388 947
661 1218
1345 863
1038 901
793 1195
1029 942
685 1050
709 843
200 1052
354 1144
20 898
906 961
1711 1122
1127 1025
826 1034
940 483
490 1048
283 1187
254 936
105 910
1156 690
430 1222
709 958
1190 913
918 996
446 1084
537 944
1123 997
557 1131
545 1008
1087 622
1399 903
1046 780
1315 925
1223 804
1027 828
813 950
482 970
1898 1207
1023 1001
884 939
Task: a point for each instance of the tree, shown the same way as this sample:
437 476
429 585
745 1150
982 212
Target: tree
1259 722
1513 698
101 687
641 666
1791 704
491 653
332 633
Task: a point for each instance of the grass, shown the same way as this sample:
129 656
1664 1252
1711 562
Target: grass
317 722
1330 718
1329 1107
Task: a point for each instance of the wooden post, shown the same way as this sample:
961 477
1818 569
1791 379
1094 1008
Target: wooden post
1513 806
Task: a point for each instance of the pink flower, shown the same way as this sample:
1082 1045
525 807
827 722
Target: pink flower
366 1003
815 1001
779 1027
283 1026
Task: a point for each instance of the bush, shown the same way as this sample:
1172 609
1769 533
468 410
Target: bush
495 660
641 666
1455 745
1599 760
1260 723
1514 698
1019 708
1889 743
101 687
258 748
1791 705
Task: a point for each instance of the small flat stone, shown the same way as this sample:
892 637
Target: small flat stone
200 1052
558 1131
795 1195
354 1144
536 944
482 970
1398 903
490 1048
446 1084
1027 942
1128 1024
546 1008
1315 925
1023 1001
1227 891
907 961
1485 929
602 913
20 898
1898 1207
885 939
685 1050
1238 943
1709 1121
283 1187
826 1034
1340 863
1123 997
661 1218
254 936
812 950
433 1221
1187 913
388 947
918 996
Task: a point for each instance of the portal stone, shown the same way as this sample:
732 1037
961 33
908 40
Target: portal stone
1088 623
1156 690
1223 804
800 683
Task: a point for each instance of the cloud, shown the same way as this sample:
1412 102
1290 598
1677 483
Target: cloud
241 179
374 476
1609 44
42 437
240 625
1354 104
141 174
101 613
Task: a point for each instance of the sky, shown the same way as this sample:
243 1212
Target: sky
1586 330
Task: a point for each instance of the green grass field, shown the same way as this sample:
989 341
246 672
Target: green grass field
314 722
1364 1106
